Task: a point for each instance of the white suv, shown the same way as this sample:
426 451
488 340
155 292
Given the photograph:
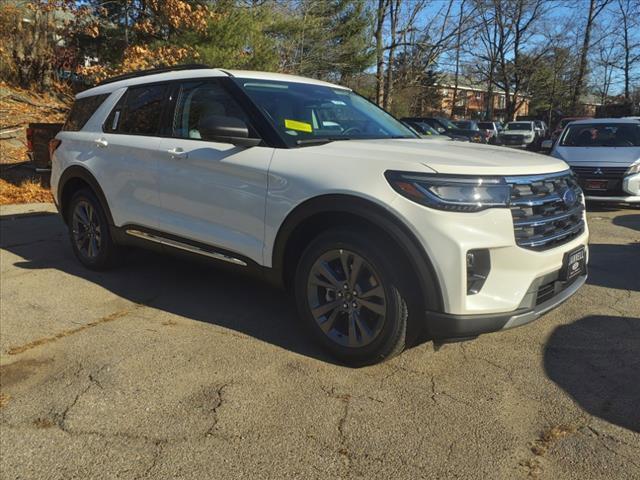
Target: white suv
381 236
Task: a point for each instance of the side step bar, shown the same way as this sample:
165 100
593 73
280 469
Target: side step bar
184 246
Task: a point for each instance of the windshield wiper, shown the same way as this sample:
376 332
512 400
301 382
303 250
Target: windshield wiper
319 140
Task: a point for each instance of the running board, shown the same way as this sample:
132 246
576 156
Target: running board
184 246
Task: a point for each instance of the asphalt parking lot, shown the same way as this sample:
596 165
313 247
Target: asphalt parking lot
166 369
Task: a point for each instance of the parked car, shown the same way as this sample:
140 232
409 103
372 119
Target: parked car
520 134
466 124
541 128
426 131
563 123
605 155
379 235
491 131
446 127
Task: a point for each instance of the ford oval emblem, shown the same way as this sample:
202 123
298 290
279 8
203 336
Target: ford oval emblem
569 197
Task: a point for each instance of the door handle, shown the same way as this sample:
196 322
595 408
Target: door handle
101 142
177 153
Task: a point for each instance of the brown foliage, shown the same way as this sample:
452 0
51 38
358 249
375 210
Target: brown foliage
29 191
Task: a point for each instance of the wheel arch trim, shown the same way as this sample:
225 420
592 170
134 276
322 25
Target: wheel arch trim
77 172
373 213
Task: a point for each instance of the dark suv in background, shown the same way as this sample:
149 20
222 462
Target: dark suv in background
446 127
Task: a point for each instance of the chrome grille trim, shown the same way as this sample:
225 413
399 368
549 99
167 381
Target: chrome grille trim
541 241
541 219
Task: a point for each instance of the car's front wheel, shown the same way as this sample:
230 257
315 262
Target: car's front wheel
348 290
89 232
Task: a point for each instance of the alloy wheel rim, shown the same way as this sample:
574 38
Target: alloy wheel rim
87 233
346 298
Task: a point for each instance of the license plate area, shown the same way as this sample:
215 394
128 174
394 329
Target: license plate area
573 264
596 184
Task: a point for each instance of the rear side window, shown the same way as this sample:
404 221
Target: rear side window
138 112
81 112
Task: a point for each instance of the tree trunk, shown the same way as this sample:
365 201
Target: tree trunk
627 49
582 67
457 73
382 8
393 18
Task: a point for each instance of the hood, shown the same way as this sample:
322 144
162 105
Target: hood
442 156
598 156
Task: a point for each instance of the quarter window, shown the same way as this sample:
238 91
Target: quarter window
138 112
81 112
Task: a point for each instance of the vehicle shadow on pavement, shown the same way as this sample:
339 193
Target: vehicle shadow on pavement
189 289
596 360
629 221
615 266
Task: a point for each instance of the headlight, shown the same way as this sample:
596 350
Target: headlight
635 168
451 192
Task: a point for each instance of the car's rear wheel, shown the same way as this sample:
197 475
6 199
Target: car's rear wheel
349 292
89 232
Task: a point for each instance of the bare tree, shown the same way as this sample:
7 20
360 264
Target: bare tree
508 32
595 8
608 57
629 17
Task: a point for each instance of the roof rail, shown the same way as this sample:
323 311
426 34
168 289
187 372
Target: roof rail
153 71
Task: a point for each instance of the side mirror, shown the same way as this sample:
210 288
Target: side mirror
546 145
441 129
219 128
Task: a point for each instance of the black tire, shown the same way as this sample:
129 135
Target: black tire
379 265
93 247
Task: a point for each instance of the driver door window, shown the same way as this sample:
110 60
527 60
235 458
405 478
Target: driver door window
199 100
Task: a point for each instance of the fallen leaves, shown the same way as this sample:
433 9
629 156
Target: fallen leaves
29 191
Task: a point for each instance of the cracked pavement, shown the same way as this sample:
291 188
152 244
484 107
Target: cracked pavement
168 369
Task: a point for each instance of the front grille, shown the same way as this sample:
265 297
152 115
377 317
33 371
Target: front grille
513 139
541 217
612 175
595 173
545 292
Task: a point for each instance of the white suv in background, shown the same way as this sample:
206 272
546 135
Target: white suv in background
380 235
519 134
605 155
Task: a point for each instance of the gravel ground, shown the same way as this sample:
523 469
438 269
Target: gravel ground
165 369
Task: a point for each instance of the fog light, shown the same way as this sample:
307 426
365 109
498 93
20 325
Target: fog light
478 267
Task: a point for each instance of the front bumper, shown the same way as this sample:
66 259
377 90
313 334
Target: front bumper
447 237
445 326
614 199
621 190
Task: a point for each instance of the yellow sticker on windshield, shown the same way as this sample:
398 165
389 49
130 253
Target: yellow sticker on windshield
300 126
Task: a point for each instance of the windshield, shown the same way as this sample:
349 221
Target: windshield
447 124
519 126
308 114
602 135
424 128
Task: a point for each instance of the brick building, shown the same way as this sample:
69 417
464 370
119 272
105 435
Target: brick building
472 102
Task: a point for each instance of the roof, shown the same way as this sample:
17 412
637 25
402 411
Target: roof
201 73
603 120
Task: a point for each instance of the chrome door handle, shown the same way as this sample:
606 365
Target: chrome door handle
177 153
101 142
